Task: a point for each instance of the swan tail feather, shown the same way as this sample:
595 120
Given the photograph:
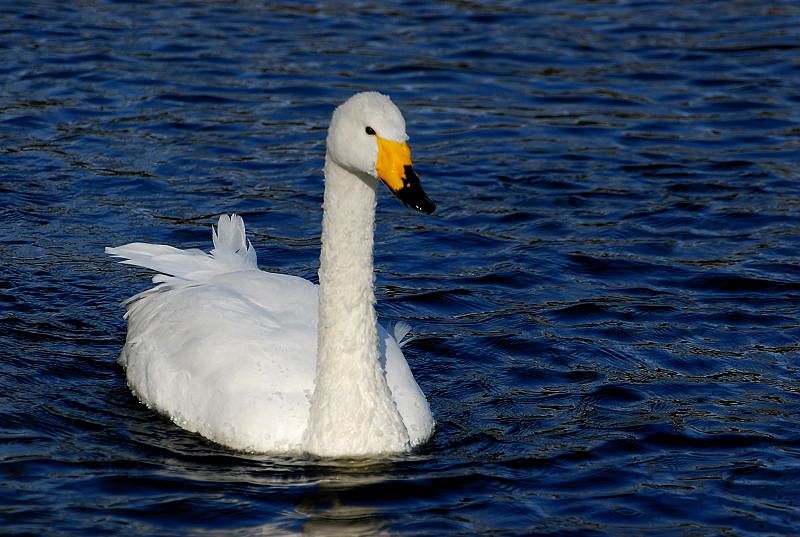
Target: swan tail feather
231 245
232 252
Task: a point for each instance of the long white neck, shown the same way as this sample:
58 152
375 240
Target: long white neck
352 409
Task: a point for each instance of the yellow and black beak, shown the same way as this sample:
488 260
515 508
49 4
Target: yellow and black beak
394 168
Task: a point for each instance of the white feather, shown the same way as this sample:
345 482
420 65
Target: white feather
401 331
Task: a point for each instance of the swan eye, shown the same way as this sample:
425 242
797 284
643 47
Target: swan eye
370 131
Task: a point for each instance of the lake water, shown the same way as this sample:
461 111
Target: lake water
606 303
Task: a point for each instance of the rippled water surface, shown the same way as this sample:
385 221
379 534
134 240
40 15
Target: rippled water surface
605 303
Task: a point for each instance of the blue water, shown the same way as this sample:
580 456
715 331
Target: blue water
606 302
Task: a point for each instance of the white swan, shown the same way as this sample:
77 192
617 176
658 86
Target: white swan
269 362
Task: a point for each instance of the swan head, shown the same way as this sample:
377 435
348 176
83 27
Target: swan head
367 136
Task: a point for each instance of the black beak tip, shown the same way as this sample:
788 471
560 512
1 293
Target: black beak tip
412 194
424 205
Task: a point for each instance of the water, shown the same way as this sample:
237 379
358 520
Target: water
605 303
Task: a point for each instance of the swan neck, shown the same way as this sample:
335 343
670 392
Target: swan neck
348 228
347 332
350 389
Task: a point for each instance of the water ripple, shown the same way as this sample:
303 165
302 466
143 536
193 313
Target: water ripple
605 305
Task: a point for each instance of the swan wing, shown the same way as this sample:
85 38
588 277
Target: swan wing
409 398
222 348
231 358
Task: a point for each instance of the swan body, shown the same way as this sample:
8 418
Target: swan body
273 363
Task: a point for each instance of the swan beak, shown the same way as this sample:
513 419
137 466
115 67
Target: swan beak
394 168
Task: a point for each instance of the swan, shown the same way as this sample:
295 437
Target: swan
272 363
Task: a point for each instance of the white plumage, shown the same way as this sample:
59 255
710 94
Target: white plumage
232 352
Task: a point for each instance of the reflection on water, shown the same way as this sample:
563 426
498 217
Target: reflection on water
605 304
333 508
328 515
